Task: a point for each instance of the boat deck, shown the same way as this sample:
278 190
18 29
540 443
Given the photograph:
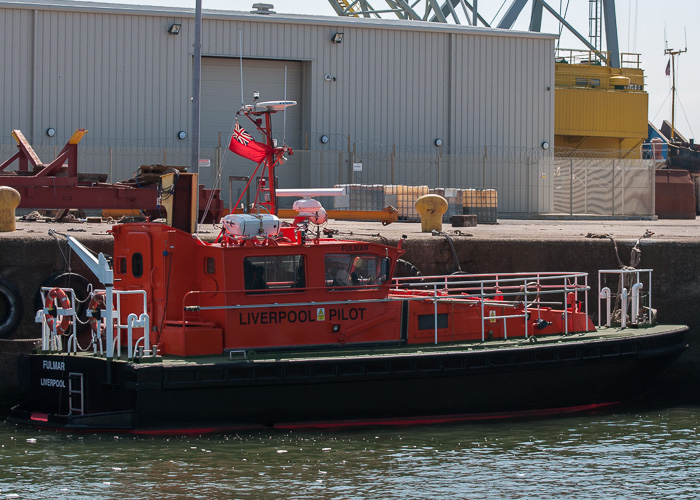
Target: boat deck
350 353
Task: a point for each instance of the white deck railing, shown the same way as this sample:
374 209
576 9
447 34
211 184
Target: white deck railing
532 290
51 337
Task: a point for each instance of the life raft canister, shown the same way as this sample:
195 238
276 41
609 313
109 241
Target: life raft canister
59 296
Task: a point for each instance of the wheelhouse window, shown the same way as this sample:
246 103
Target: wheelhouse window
276 272
210 265
355 270
137 265
121 265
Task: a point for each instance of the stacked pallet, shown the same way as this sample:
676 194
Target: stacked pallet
481 202
366 197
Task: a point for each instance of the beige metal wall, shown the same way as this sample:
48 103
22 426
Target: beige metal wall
604 186
117 72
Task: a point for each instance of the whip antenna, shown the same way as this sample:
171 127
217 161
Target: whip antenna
284 116
240 57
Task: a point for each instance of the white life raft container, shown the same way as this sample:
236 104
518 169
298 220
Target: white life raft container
247 225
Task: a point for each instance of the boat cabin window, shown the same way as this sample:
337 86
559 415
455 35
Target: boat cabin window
274 272
356 270
210 265
121 265
137 265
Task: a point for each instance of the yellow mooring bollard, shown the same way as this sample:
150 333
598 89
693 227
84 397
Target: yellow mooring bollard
9 200
431 208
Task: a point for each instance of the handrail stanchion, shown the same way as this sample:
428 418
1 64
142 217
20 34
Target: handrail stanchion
525 310
435 319
604 294
483 318
636 290
585 295
623 318
566 309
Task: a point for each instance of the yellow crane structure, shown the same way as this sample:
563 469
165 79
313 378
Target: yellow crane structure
600 98
598 107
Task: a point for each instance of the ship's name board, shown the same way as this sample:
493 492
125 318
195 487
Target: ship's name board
354 248
53 365
301 316
52 382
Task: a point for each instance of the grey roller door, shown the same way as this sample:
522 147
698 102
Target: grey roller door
221 98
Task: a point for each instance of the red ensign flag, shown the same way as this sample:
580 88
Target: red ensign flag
243 144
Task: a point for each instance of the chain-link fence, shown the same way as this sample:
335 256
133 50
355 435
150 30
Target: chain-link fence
488 181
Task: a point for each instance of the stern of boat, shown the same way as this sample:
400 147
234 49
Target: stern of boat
74 392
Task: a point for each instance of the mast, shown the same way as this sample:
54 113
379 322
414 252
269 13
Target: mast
196 95
673 53
260 114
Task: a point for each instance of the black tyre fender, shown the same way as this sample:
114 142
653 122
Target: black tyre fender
11 308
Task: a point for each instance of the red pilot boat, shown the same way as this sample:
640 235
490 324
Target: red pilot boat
278 324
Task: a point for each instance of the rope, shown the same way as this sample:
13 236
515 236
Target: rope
684 115
626 280
58 243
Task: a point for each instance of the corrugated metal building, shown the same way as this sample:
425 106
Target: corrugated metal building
389 86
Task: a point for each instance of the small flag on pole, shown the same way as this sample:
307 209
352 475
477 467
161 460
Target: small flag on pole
668 68
243 144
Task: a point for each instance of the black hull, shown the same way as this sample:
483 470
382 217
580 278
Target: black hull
683 157
515 379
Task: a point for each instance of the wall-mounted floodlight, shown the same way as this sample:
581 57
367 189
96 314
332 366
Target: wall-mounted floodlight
175 29
337 38
50 131
545 145
324 139
182 135
438 142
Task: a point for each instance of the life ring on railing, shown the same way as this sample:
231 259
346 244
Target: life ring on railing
97 303
76 282
58 295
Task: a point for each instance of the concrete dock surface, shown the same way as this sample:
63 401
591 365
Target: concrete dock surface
509 229
682 230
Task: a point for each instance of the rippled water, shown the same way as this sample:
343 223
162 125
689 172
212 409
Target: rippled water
650 454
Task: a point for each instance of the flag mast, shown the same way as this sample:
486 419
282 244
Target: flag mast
196 94
673 53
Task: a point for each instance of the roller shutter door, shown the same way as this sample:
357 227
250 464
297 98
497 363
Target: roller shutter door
221 98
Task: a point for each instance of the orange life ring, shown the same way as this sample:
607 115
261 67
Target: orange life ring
57 294
97 303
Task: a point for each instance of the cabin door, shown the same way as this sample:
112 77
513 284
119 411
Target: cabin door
139 276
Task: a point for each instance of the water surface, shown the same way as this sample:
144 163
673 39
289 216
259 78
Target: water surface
632 454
